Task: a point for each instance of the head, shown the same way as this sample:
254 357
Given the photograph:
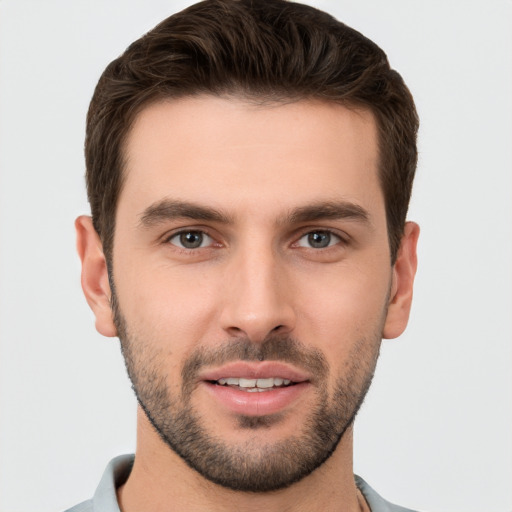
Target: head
265 52
249 167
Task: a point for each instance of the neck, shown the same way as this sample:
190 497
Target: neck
161 481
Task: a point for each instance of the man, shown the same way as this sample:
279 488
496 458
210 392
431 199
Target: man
249 168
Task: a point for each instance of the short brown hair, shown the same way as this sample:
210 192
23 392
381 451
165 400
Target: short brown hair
264 50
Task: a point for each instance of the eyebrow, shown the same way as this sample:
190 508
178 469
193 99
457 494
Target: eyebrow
334 210
170 209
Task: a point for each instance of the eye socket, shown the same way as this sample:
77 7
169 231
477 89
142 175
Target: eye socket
319 239
191 239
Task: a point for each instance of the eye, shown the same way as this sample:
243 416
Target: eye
318 239
191 239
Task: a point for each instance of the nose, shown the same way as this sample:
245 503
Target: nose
258 298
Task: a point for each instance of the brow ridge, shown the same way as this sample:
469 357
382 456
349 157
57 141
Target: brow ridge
333 210
170 209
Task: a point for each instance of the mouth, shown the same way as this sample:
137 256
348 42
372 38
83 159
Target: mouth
256 389
254 385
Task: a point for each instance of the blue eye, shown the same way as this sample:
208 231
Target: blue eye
318 239
191 239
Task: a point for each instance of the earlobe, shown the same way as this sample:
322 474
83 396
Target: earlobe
94 279
401 292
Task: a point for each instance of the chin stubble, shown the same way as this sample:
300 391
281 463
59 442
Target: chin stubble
253 466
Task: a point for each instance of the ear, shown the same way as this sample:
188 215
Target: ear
404 271
95 282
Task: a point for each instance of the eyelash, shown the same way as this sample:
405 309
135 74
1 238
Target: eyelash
188 250
331 233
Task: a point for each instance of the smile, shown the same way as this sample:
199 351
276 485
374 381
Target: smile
254 385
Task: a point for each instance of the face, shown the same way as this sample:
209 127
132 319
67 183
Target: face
252 281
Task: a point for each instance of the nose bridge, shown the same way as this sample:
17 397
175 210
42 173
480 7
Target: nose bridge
257 298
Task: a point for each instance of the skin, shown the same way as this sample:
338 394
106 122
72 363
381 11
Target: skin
255 165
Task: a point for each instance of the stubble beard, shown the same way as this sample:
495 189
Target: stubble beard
251 466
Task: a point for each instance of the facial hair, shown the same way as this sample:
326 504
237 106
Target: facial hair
253 466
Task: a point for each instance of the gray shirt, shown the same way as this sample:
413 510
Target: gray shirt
118 470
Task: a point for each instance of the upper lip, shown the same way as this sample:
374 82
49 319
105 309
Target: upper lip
255 370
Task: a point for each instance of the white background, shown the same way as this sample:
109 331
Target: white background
435 432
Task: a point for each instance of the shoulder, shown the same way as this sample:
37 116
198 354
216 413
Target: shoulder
105 499
85 506
376 502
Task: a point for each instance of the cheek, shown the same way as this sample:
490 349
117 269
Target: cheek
343 308
166 306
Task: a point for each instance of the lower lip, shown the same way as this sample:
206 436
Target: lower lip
258 403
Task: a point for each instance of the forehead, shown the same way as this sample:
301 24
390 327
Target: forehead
250 158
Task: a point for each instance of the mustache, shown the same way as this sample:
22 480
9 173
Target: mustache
273 348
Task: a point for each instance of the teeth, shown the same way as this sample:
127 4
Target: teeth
247 383
254 384
263 383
